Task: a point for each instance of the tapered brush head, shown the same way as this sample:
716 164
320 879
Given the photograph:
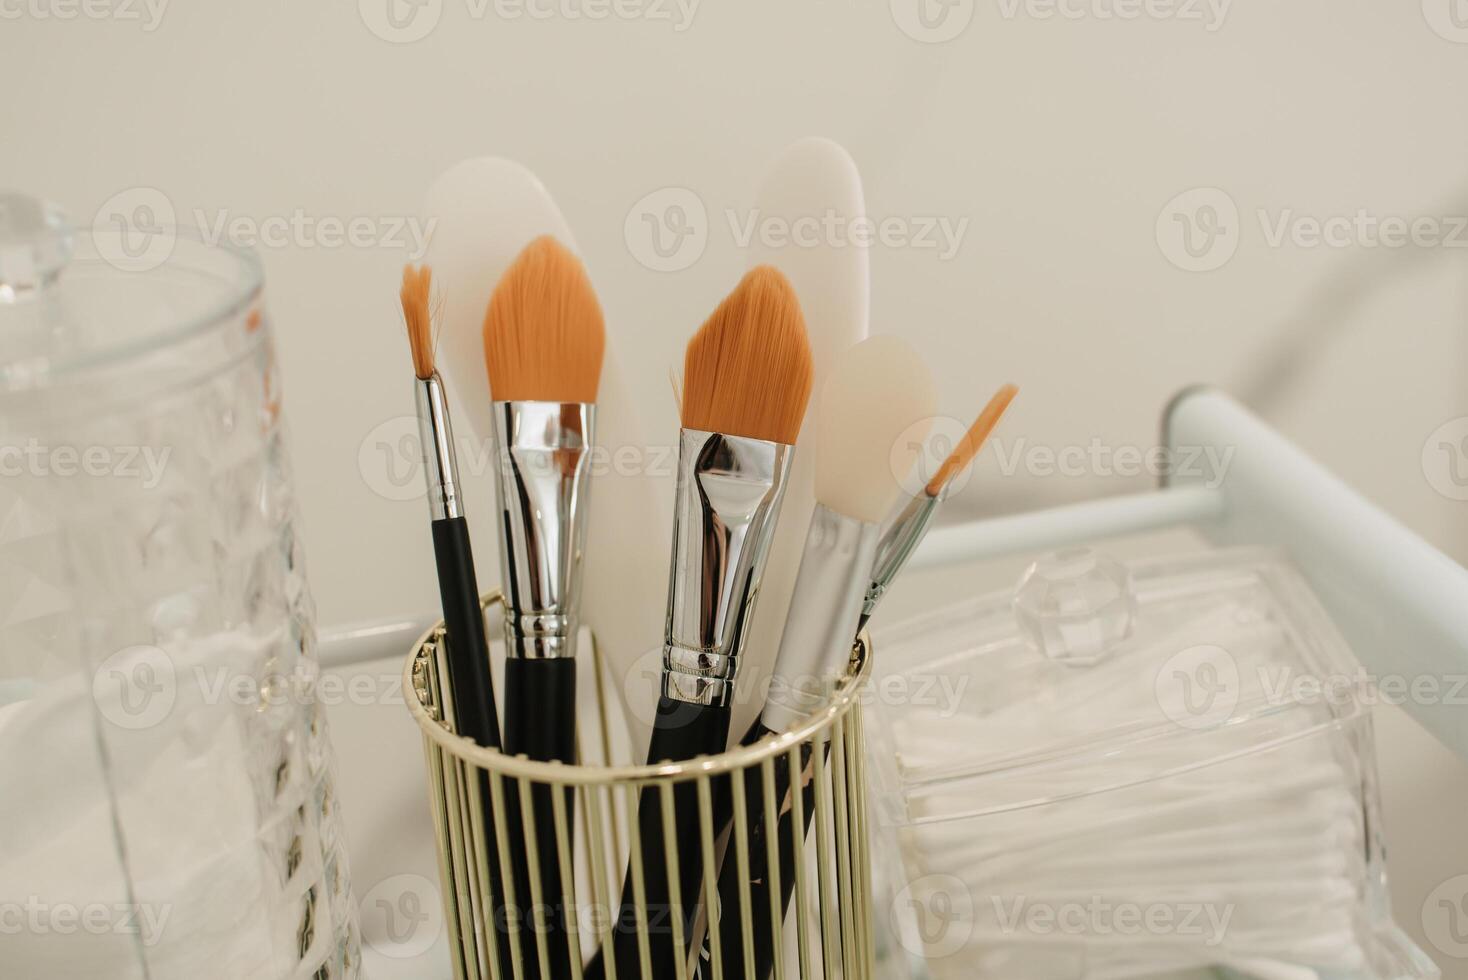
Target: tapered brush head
544 335
973 440
877 401
416 296
747 372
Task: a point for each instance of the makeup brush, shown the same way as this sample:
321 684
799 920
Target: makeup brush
471 709
746 381
910 526
543 344
469 679
891 553
879 391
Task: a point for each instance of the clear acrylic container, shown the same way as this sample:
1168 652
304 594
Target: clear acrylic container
167 807
1162 769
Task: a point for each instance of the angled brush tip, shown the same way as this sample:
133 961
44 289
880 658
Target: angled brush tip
544 335
416 298
878 401
747 372
973 440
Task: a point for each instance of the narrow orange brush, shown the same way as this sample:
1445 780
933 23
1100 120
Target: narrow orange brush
973 440
910 526
469 679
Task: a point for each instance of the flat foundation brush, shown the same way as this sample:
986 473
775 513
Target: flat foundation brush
746 381
878 393
543 342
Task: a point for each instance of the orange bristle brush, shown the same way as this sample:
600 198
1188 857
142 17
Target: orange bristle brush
746 381
911 525
544 338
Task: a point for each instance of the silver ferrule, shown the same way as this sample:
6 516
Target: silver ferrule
901 539
436 433
835 570
543 471
728 499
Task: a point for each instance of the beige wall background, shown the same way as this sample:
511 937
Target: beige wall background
1132 187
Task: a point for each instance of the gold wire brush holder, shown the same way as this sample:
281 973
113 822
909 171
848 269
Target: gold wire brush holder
826 930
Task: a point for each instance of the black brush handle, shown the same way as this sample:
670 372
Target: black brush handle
680 731
469 678
471 688
731 915
540 722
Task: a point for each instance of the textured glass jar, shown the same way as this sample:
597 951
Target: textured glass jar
167 807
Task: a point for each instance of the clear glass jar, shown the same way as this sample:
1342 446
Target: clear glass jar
167 809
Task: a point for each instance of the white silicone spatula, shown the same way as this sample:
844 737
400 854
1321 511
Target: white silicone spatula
813 187
486 210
